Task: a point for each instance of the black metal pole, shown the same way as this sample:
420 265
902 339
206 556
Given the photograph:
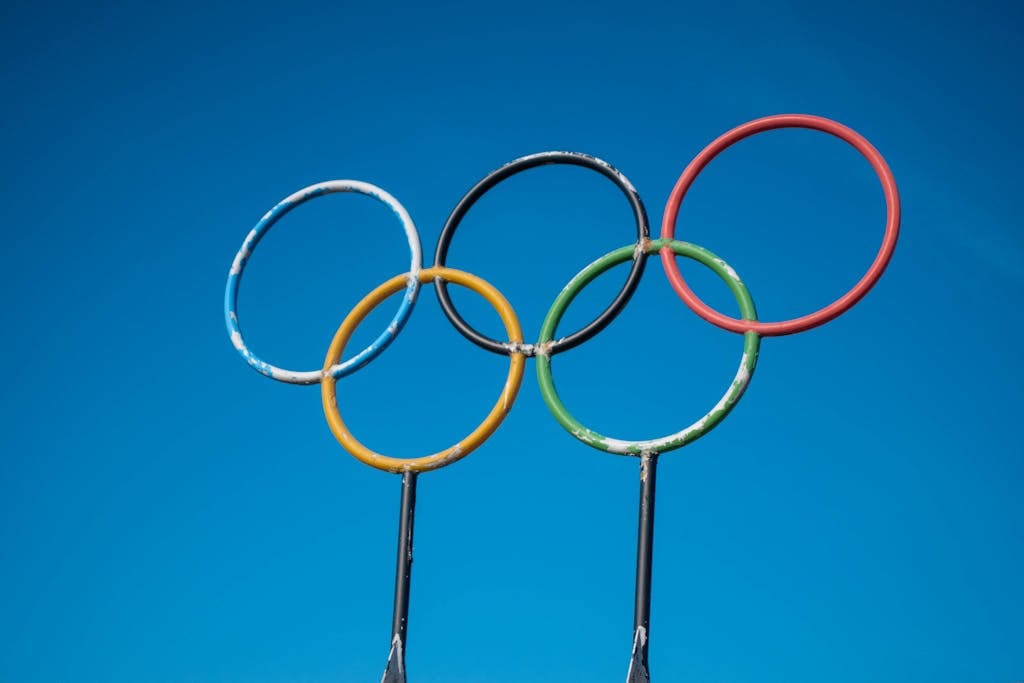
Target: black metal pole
638 669
395 670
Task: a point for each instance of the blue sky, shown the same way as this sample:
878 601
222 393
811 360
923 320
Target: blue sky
167 515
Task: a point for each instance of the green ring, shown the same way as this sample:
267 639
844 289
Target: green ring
751 346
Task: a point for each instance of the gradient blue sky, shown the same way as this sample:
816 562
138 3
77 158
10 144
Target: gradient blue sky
168 516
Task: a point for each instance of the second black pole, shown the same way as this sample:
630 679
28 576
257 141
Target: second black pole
638 668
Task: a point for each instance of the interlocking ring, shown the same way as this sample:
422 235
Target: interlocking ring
256 234
748 361
478 435
840 305
549 344
506 171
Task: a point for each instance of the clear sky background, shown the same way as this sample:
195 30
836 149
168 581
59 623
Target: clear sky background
167 515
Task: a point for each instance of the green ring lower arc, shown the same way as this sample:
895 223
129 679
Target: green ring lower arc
732 395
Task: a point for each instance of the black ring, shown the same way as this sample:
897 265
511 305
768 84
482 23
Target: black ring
495 177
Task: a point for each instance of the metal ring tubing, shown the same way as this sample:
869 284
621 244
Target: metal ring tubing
840 305
260 230
748 361
517 361
517 166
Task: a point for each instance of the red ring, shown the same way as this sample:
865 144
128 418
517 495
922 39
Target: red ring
837 307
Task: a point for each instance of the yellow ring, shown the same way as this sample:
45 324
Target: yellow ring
467 445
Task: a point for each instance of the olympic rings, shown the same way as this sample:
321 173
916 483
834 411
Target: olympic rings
748 361
481 433
261 229
510 169
840 305
548 345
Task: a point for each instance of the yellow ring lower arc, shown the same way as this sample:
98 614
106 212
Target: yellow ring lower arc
470 443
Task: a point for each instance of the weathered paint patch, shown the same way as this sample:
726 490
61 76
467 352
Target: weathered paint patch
638 672
394 672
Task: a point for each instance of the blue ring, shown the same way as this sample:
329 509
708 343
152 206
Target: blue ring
263 226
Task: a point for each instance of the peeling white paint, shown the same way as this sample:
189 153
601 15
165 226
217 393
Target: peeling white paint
728 269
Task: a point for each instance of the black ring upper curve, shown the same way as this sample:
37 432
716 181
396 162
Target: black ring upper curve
511 168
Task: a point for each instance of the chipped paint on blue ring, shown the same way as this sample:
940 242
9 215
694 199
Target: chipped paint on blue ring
263 226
